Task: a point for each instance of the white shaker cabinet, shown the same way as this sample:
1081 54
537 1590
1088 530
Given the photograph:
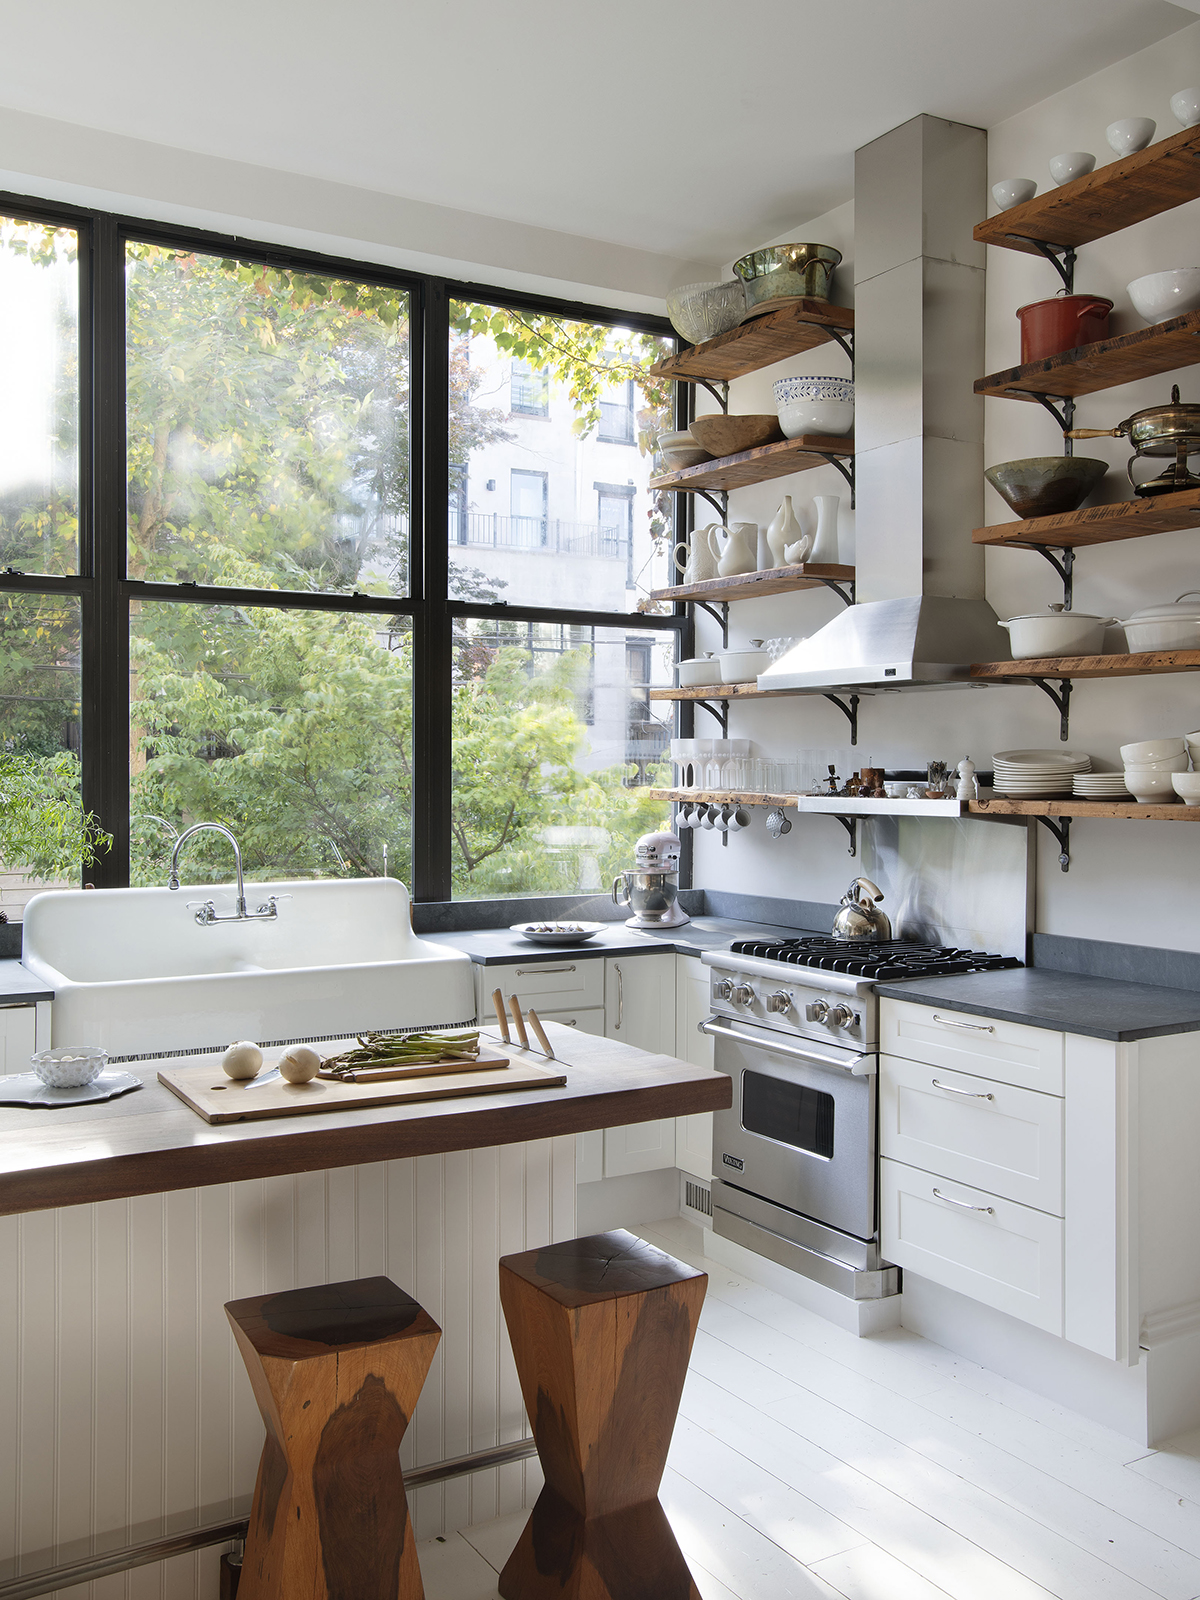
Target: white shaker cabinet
639 1008
694 1134
19 1035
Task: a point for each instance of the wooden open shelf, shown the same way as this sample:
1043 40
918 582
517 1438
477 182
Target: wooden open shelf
757 466
1147 353
751 585
758 342
1148 663
1113 197
725 691
1124 519
718 797
1085 808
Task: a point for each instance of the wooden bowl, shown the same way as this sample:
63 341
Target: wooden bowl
726 436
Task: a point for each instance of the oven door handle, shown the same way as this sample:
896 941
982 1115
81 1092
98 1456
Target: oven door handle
857 1066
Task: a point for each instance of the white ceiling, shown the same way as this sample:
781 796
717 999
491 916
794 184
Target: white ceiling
693 128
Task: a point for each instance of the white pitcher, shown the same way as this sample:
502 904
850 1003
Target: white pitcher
739 553
697 563
787 539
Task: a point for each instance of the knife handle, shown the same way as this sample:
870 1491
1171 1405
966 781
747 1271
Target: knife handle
518 1021
501 1015
535 1024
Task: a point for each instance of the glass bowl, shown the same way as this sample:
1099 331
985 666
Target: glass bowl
69 1066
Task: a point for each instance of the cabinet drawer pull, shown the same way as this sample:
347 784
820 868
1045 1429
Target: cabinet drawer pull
968 1094
620 997
534 972
964 1205
975 1027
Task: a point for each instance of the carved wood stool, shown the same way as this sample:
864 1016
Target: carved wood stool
336 1370
602 1330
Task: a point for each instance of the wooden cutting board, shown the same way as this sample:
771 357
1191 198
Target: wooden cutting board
220 1099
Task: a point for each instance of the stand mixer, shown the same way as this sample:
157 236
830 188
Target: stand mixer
651 889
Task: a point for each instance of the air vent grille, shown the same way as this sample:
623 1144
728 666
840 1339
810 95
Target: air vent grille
697 1197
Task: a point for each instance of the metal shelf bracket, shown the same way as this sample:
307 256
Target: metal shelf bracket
1062 699
721 616
845 595
850 712
851 826
1060 827
722 715
1064 567
846 341
721 506
1065 418
847 472
1064 267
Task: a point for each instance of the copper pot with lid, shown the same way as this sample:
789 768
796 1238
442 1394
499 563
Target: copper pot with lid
1170 430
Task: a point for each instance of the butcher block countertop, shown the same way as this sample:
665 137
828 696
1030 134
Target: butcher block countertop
149 1142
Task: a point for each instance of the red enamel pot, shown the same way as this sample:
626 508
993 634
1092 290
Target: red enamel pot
1048 327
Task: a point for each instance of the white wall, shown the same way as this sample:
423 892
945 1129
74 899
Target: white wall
1119 870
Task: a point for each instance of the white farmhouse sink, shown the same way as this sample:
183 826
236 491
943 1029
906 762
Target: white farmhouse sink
134 972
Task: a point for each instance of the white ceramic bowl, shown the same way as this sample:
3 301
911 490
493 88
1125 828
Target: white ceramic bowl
1174 628
1160 295
1187 786
1192 740
742 666
69 1066
1129 134
1071 164
1152 750
814 405
698 670
1055 633
1150 788
1013 192
1185 107
1165 766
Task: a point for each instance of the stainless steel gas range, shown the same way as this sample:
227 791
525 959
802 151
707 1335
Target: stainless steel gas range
796 1026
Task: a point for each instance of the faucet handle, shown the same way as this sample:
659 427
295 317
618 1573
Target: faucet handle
173 880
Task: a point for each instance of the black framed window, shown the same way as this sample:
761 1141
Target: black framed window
229 593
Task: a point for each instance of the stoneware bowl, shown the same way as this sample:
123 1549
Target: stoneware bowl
679 450
815 405
1071 164
1013 192
69 1066
1129 134
1160 295
1164 766
1152 750
725 436
1150 788
1187 786
1044 486
1185 107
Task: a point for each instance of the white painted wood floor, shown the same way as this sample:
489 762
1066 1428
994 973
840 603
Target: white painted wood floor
809 1463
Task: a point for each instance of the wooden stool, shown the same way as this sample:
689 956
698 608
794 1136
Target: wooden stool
602 1329
336 1371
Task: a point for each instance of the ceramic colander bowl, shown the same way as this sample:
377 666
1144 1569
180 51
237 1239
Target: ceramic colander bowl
69 1066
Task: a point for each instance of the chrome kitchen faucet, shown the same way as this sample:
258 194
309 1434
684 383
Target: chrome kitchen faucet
206 911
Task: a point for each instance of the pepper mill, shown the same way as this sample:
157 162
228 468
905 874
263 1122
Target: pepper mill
968 784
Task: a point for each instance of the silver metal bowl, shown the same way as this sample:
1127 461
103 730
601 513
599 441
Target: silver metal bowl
786 271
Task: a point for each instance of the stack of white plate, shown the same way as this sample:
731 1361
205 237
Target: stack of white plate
1036 774
1100 786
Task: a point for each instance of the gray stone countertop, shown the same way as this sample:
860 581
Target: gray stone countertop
17 984
490 947
1041 997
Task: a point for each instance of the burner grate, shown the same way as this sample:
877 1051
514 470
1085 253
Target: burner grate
893 958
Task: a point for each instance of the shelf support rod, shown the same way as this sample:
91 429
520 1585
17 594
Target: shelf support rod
849 711
846 340
721 396
847 472
721 506
721 616
1062 699
851 826
1064 267
1060 827
1064 567
846 595
1065 418
722 715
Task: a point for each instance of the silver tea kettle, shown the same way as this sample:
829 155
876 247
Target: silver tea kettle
858 918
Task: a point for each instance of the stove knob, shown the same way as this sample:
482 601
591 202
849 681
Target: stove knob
841 1017
743 994
781 1000
723 990
818 1011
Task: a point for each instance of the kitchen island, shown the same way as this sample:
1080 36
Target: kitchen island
125 1226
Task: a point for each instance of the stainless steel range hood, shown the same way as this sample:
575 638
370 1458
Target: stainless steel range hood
925 639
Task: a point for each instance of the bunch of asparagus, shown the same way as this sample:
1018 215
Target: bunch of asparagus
382 1050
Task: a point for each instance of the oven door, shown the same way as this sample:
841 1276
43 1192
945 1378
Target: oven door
801 1130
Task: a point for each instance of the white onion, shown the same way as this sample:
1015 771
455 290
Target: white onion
299 1064
242 1060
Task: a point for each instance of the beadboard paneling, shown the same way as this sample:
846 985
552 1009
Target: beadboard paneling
125 1413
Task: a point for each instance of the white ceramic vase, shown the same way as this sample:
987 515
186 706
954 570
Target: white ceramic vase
824 550
783 532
